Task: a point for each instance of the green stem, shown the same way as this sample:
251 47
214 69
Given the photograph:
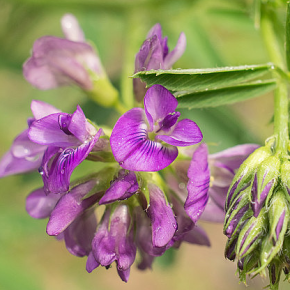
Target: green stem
281 92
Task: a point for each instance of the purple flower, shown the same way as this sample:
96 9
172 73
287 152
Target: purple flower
57 62
114 241
70 138
154 54
25 155
203 182
146 139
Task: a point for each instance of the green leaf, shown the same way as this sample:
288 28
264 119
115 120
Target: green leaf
224 96
202 79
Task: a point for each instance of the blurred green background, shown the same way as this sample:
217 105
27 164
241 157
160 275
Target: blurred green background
219 33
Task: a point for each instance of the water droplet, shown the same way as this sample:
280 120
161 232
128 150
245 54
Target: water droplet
62 171
121 162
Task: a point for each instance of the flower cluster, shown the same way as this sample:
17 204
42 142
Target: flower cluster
144 209
257 216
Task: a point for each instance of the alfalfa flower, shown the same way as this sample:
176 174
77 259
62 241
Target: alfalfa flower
154 54
71 60
147 139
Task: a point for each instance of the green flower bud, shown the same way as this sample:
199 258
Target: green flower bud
251 234
246 172
278 217
285 177
264 182
247 264
275 270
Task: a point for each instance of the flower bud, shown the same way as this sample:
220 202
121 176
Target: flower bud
245 173
285 177
264 182
275 270
230 252
278 217
237 213
246 264
251 234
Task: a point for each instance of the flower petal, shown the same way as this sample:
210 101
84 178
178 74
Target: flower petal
233 157
199 178
91 264
124 274
50 131
176 53
197 236
132 148
56 62
122 188
185 133
41 109
158 103
213 212
71 28
39 205
71 206
162 218
79 234
58 165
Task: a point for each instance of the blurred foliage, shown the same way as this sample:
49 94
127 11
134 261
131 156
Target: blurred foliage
219 33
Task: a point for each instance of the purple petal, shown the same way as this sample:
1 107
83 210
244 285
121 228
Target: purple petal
213 212
79 234
40 205
158 103
80 127
162 218
280 225
71 206
56 62
41 109
51 130
199 178
124 274
150 55
233 157
218 195
122 188
185 133
197 236
71 29
91 264
176 53
155 30
103 244
132 148
58 165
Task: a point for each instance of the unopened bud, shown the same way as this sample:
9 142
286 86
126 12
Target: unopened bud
246 173
275 269
264 182
251 234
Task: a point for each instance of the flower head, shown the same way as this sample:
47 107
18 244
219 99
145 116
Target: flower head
147 139
154 54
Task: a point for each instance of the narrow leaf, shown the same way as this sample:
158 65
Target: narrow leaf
202 79
224 96
288 36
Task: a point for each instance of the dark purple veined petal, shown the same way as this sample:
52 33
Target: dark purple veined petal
79 234
58 165
56 62
39 205
198 185
162 217
176 53
70 207
52 130
158 104
132 148
233 157
122 188
185 133
71 29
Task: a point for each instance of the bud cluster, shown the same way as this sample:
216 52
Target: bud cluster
257 216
